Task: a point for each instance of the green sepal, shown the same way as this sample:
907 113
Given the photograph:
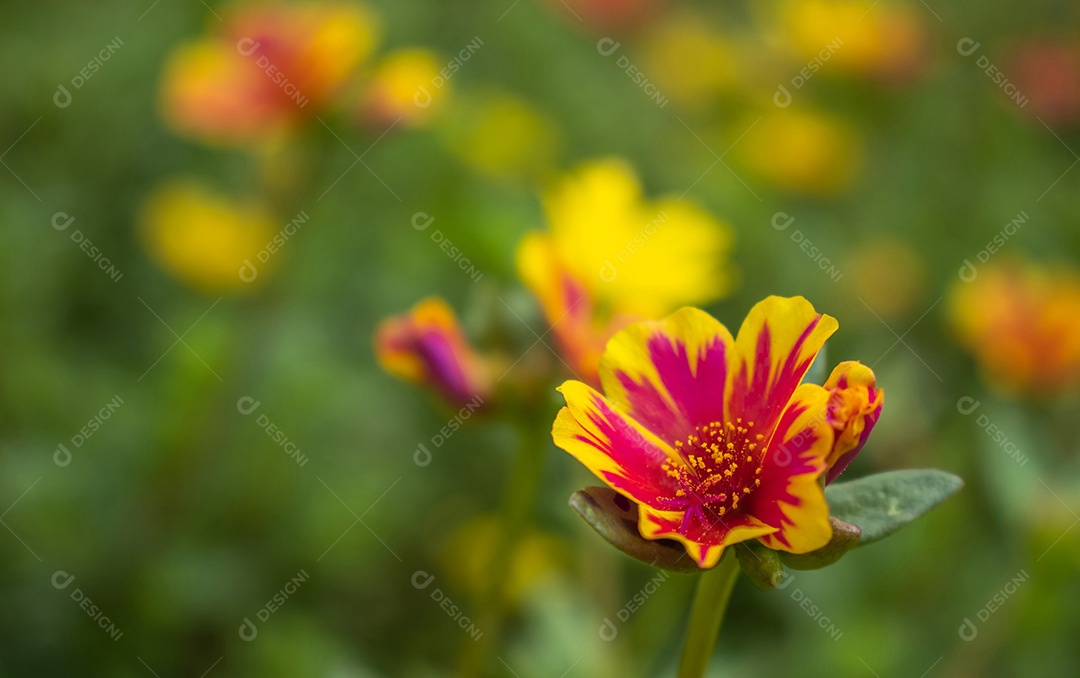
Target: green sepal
761 565
615 518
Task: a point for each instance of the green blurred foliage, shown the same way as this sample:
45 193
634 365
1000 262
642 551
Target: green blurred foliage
179 517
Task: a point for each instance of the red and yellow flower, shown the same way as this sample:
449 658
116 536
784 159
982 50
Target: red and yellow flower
270 65
715 437
427 346
595 269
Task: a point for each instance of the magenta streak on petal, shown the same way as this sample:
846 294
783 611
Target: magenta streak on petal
701 527
573 295
443 365
578 306
783 461
699 395
638 460
764 399
698 398
644 492
573 320
650 409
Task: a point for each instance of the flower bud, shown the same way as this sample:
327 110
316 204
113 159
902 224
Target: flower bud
854 407
427 346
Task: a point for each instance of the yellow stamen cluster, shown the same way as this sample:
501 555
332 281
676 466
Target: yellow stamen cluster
720 463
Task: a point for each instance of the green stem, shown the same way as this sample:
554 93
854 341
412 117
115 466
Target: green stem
706 615
521 490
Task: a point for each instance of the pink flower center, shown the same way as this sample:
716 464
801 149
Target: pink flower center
721 465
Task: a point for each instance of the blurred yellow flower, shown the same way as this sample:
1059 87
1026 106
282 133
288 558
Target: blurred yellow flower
890 275
688 38
405 85
801 151
504 137
201 237
1021 321
1046 518
611 257
535 556
270 65
863 37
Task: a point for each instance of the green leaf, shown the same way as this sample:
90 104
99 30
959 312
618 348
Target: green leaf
845 537
883 503
616 519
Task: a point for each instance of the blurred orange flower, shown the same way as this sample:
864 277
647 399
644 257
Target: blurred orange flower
270 65
611 257
1021 321
201 237
427 346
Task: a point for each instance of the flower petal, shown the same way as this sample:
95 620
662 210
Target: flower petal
775 346
615 241
615 448
705 543
567 305
854 407
790 497
669 375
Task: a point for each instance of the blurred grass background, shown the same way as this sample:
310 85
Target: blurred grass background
179 517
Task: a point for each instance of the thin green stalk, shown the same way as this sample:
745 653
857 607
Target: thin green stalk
521 490
707 614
